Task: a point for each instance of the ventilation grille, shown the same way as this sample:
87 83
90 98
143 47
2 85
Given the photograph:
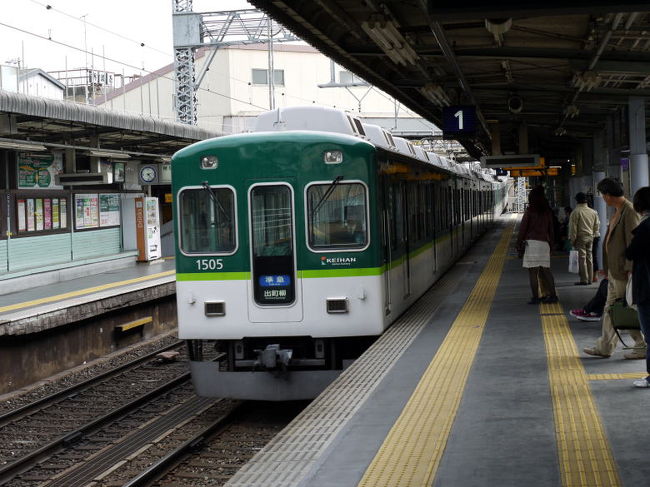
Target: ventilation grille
215 308
337 305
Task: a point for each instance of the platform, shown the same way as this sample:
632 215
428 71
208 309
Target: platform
55 304
473 387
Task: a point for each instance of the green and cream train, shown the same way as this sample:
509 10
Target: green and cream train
301 242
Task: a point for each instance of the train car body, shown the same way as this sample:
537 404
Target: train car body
297 248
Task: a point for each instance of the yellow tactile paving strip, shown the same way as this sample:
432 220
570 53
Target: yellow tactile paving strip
626 375
584 453
81 292
411 452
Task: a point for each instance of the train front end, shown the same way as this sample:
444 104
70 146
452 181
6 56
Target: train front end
279 264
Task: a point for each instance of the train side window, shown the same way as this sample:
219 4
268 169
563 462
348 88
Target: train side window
207 221
337 216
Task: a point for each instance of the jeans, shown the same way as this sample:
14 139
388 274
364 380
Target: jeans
644 319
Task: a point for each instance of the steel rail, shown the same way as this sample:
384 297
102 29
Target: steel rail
13 414
163 465
23 464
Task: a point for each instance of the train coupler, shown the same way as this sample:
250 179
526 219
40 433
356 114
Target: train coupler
273 357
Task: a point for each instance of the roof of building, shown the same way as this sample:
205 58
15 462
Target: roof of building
45 120
30 73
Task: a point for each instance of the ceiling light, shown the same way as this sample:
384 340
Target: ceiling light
18 145
109 154
435 93
385 34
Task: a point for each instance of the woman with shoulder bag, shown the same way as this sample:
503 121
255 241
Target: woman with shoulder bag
639 253
536 235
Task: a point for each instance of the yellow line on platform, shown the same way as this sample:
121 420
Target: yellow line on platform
81 292
411 452
626 375
584 453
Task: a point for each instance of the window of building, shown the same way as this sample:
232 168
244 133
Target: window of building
207 222
261 77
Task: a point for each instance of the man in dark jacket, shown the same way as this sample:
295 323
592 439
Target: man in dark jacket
617 267
639 253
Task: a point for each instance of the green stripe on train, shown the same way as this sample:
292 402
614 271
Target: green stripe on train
367 271
213 276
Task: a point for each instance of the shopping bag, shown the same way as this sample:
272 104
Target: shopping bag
573 261
628 294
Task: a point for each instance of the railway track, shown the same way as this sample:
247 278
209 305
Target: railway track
33 431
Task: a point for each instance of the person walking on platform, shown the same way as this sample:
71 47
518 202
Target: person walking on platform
616 267
583 228
639 253
534 242
593 310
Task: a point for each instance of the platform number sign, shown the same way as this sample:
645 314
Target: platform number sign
458 120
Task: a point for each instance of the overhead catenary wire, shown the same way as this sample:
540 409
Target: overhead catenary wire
122 63
50 7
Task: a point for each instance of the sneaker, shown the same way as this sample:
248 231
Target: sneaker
641 383
578 313
593 351
635 355
582 315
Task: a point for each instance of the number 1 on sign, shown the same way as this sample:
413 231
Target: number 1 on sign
459 116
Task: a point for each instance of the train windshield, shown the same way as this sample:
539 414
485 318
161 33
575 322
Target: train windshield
338 220
207 222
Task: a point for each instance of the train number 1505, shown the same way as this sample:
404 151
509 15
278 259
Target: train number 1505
209 264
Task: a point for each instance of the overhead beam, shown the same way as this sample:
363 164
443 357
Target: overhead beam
445 10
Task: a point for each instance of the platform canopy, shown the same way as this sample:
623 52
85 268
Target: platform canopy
541 74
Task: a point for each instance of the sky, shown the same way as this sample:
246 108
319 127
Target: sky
74 34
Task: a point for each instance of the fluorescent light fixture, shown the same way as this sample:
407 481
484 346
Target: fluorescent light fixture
435 94
18 145
384 33
109 154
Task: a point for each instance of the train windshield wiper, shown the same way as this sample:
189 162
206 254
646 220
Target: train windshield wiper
215 200
327 194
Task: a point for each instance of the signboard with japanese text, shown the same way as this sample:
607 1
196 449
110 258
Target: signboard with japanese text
38 171
109 210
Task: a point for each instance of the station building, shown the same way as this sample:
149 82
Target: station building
68 175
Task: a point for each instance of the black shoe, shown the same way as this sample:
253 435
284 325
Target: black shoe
534 301
550 299
581 283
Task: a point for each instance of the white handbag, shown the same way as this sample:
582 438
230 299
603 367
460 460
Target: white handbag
628 293
573 262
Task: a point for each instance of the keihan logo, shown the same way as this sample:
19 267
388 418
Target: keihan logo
337 260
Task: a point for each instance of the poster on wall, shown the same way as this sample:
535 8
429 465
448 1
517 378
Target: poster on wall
38 214
109 210
86 211
55 213
22 223
47 213
30 215
38 171
63 212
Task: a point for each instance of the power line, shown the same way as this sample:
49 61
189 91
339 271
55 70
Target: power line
99 27
121 62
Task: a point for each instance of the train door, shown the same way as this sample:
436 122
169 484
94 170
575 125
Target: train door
386 211
404 215
432 204
274 289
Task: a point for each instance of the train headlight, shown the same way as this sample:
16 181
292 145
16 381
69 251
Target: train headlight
209 162
333 157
